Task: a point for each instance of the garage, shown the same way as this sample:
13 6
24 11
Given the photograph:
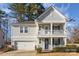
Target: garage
27 45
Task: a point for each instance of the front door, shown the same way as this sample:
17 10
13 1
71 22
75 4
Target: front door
46 43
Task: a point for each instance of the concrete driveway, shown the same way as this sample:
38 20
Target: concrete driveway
18 53
25 53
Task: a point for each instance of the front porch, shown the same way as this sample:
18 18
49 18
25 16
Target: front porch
51 29
48 44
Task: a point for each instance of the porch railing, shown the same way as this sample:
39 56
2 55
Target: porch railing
49 32
57 31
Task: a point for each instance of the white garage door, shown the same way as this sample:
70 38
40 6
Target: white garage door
30 46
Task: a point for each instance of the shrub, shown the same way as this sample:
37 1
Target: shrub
39 50
35 47
6 49
59 49
70 48
77 49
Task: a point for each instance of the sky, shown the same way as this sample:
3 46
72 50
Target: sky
70 10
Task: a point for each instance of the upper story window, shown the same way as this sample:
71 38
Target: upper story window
26 29
56 27
46 27
40 27
21 29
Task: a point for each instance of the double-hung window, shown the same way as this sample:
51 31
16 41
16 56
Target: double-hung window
56 27
56 41
21 29
26 29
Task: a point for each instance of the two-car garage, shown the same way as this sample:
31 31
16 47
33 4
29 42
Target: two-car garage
25 45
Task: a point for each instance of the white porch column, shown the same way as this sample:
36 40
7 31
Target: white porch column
51 28
65 41
51 44
37 29
64 29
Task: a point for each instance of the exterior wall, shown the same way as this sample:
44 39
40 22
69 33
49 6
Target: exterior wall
15 33
54 16
17 36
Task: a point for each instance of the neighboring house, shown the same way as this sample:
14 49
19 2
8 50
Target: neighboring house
47 31
2 41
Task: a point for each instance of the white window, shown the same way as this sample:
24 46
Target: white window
40 27
21 29
56 27
26 29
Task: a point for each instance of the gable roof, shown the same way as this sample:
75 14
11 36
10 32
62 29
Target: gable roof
42 16
26 22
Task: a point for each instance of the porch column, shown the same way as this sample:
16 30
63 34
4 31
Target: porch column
51 28
65 41
51 44
64 30
37 29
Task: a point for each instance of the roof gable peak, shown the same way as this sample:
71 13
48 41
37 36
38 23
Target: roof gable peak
48 9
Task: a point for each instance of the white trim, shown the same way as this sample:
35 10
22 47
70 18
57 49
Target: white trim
51 28
65 41
51 43
53 8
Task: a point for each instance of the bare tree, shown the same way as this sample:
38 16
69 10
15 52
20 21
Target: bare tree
75 36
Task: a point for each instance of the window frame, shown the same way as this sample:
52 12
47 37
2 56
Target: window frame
25 29
56 27
56 41
21 29
40 41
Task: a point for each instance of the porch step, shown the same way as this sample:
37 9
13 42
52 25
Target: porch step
45 51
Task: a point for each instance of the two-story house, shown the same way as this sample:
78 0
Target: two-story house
47 31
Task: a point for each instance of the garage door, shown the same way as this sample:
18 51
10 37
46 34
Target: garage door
30 46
